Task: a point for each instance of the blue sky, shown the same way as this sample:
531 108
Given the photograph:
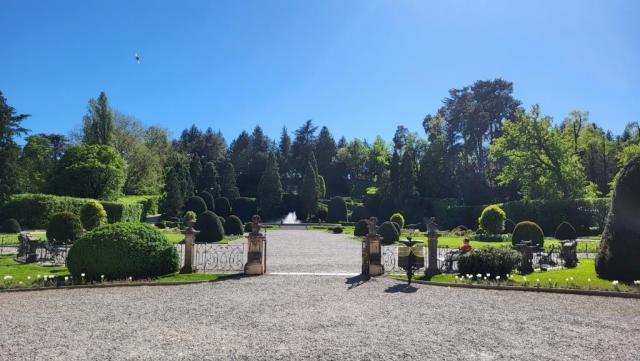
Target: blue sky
359 67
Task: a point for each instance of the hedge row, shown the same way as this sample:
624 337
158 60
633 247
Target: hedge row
33 211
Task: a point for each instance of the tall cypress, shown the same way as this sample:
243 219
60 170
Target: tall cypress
270 190
310 191
228 186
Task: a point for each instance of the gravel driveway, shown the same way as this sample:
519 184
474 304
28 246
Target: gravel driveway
314 317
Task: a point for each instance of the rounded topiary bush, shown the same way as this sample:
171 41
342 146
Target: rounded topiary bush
195 204
233 225
565 231
64 228
210 227
389 232
122 250
361 228
496 261
360 212
509 225
93 215
223 207
397 218
337 229
208 199
161 225
337 210
492 219
11 226
244 208
528 231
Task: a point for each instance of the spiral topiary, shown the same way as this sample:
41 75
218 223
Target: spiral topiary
64 228
389 232
492 219
397 218
93 215
565 232
210 227
233 225
528 231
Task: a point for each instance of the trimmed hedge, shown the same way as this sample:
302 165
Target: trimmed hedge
397 218
496 261
233 225
360 212
223 207
11 226
528 231
93 215
195 204
244 208
337 210
389 232
64 228
565 231
210 227
361 228
123 250
209 201
492 219
123 212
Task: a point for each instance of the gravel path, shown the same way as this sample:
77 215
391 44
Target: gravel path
314 317
312 251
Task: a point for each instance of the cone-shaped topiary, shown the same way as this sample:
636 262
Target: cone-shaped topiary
361 228
210 227
195 204
492 219
337 211
208 200
223 207
389 232
528 231
11 226
122 250
64 228
565 232
93 215
619 254
398 218
233 225
360 212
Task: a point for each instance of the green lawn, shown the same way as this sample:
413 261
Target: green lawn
26 273
11 239
174 236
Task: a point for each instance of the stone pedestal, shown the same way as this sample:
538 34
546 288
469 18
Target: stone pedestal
432 249
526 262
372 252
569 254
256 243
189 241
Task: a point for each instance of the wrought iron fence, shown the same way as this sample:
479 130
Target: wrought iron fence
210 257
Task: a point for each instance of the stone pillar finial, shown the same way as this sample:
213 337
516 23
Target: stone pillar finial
372 223
255 224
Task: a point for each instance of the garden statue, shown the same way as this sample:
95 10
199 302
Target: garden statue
257 249
526 250
432 244
189 239
568 253
27 248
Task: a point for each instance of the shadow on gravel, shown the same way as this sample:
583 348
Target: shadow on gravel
356 281
401 288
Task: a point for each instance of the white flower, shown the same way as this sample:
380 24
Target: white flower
537 280
524 278
488 275
588 279
81 274
615 283
8 278
20 282
478 275
46 277
498 278
66 278
485 278
636 282
102 276
571 279
129 278
566 280
28 277
38 276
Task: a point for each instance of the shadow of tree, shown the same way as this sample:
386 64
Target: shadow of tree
401 288
356 281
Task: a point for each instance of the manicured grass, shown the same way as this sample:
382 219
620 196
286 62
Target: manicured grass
571 278
174 236
11 239
21 272
177 277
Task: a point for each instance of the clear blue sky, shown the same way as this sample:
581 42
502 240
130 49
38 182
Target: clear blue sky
359 67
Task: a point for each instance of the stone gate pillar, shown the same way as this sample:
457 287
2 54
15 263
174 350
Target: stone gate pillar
432 248
372 252
256 243
189 241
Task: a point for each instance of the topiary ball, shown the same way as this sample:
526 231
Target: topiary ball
223 207
398 218
361 228
395 224
195 204
565 232
337 210
209 201
11 226
122 250
233 225
528 231
337 229
360 212
244 208
64 228
93 215
492 219
210 227
389 232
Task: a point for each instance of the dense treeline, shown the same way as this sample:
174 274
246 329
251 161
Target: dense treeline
480 147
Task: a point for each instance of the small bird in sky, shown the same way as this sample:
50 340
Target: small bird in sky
137 58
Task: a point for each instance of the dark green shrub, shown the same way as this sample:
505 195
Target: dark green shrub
397 218
247 227
492 219
122 250
161 225
389 232
491 237
337 210
123 212
11 226
244 208
210 227
361 228
360 212
322 215
619 255
509 226
337 229
223 207
64 228
195 204
496 261
222 220
528 231
233 225
565 231
93 215
208 200
398 229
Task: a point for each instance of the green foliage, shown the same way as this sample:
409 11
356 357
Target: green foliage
389 232
9 151
233 225
93 215
309 194
64 228
619 255
269 190
93 171
528 231
492 219
361 228
190 216
223 207
228 187
124 212
322 187
397 218
565 231
98 123
123 250
337 229
208 200
337 210
11 226
195 204
360 212
495 261
178 187
209 180
210 227
244 208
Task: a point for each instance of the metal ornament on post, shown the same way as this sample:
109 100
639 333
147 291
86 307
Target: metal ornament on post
256 243
432 245
189 240
410 257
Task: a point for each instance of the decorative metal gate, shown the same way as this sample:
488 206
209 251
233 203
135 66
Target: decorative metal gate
209 257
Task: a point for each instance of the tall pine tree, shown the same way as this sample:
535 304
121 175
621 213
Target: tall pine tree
209 180
9 151
98 126
228 187
309 192
270 190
